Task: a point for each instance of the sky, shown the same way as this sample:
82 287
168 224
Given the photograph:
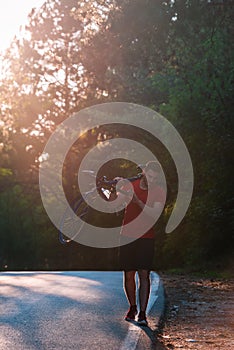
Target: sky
13 14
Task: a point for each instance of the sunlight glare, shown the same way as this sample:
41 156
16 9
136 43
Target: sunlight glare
13 14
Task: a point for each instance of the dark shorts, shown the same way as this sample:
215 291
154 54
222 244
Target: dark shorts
137 255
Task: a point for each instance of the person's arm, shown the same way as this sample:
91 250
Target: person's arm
122 197
150 211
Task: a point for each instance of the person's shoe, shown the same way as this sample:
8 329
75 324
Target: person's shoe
132 312
142 320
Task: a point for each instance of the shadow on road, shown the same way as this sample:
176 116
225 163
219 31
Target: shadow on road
46 310
152 335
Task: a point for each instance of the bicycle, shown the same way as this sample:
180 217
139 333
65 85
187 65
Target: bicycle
80 208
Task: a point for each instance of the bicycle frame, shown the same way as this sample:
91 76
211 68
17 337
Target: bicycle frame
104 186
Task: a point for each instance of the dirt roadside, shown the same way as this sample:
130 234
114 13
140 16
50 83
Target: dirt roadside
200 313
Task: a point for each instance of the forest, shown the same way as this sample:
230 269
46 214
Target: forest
174 57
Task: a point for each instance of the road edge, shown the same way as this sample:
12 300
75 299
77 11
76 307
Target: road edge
158 310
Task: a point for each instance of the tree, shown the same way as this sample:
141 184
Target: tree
124 53
198 86
45 76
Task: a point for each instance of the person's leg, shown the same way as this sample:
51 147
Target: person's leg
130 286
130 291
144 292
145 255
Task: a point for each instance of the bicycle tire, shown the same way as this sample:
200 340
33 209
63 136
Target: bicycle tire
67 224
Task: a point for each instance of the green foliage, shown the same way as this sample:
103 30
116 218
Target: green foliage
198 85
5 173
125 53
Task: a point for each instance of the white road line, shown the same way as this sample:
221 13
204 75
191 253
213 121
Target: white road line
134 331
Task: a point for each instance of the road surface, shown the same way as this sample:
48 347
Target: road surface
70 311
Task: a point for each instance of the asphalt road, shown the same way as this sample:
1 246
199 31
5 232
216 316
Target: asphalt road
70 310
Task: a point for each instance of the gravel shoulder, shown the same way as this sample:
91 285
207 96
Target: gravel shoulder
199 313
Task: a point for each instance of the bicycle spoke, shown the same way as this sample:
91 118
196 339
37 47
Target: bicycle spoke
69 223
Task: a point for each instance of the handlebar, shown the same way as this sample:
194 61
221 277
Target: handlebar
104 181
105 186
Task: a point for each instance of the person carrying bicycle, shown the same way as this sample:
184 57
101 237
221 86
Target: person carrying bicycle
147 200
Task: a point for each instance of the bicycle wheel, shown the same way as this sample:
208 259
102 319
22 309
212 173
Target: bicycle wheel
68 223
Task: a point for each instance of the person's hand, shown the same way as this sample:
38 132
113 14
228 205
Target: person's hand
121 182
118 178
